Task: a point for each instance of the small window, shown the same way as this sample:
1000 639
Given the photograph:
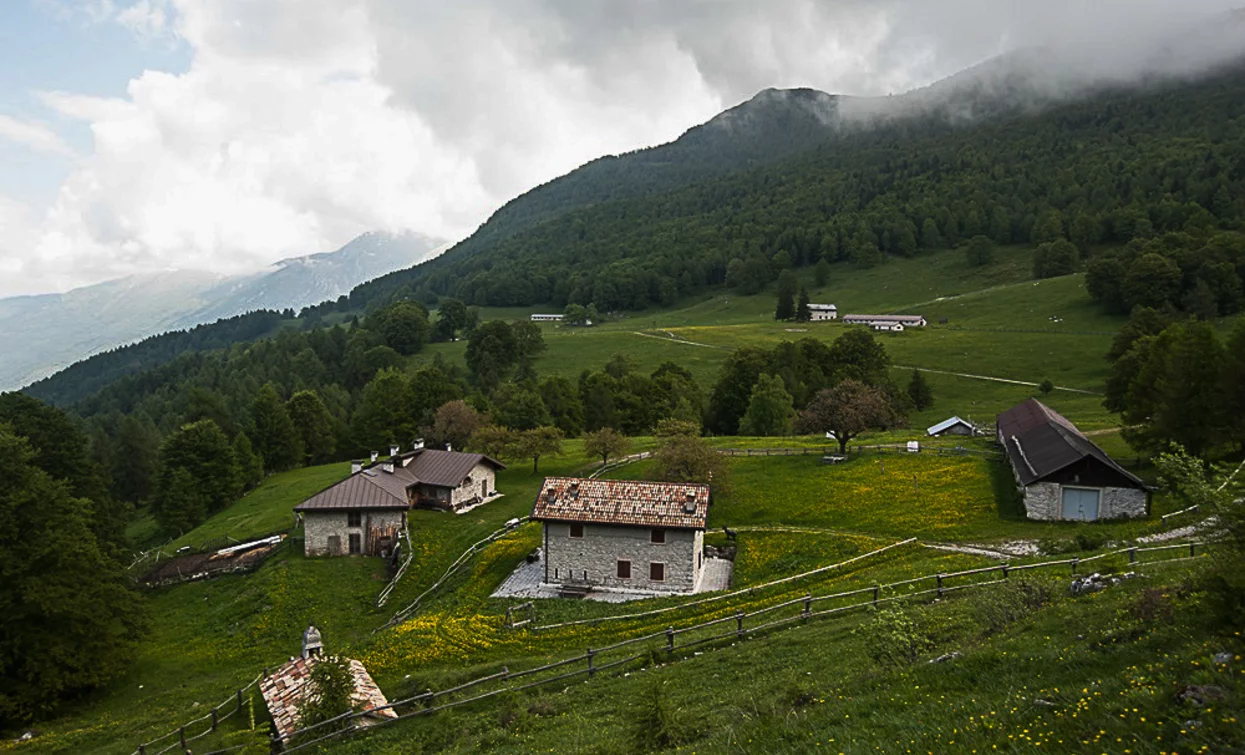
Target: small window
657 572
577 530
354 519
657 536
356 545
624 570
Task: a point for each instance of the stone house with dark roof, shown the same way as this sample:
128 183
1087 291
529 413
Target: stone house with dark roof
1061 473
365 513
623 534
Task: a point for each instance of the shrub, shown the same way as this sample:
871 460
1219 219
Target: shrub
659 724
892 638
994 609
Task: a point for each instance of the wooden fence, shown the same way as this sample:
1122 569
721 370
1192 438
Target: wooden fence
181 738
669 641
406 562
475 548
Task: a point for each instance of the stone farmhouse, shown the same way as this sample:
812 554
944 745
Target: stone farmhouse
365 513
624 535
1061 473
886 322
822 312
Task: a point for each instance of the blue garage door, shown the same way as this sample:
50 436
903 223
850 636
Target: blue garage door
1080 505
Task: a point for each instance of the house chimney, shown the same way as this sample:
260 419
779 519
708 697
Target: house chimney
313 646
418 445
387 466
356 466
689 503
375 456
393 449
449 447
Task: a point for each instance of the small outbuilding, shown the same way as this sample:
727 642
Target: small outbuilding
1061 473
875 321
952 426
286 690
365 513
627 535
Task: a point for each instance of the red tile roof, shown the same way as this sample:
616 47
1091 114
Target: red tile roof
283 691
675 505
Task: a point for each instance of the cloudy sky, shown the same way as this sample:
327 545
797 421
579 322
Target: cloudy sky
223 135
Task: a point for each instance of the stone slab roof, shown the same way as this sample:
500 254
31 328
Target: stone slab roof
284 691
672 505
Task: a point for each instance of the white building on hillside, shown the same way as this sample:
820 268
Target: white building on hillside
823 312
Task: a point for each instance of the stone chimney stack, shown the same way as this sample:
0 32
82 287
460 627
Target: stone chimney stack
313 646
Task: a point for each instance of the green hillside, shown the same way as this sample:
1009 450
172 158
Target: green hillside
793 514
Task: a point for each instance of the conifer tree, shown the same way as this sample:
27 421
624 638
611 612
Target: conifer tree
802 311
69 619
786 297
272 432
919 391
821 272
313 425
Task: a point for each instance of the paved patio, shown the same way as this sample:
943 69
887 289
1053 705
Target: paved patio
525 582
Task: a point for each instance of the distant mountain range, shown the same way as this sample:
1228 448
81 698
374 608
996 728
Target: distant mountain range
42 334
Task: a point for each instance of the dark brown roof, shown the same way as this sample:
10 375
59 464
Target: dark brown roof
446 469
369 489
675 505
1041 442
374 488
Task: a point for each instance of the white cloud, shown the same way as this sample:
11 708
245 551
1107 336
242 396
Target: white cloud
35 136
300 124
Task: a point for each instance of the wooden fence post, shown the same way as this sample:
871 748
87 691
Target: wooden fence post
1004 568
1075 561
142 750
591 670
1192 550
215 720
1132 555
239 706
808 605
182 733
739 624
670 639
939 585
876 589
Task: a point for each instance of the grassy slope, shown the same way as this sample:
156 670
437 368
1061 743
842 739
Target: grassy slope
999 324
210 637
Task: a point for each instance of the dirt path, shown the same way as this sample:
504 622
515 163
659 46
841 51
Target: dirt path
993 379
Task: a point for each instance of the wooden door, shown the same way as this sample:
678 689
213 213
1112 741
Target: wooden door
1080 504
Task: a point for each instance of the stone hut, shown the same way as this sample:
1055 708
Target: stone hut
285 690
623 534
1061 473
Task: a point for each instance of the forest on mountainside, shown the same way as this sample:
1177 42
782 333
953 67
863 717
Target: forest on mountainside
1124 166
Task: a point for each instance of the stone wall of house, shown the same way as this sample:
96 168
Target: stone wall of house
469 492
1043 500
1117 503
321 527
594 557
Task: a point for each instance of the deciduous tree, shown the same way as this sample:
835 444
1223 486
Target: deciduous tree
847 410
769 409
537 442
314 426
605 443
